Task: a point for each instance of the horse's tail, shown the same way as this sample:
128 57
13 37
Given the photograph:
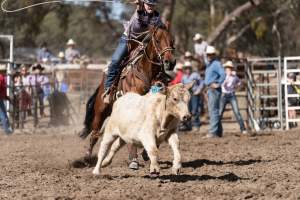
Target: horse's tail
89 115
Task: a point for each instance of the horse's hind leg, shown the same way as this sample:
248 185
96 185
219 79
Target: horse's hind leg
118 144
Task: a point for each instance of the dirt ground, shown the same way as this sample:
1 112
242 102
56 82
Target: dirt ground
264 166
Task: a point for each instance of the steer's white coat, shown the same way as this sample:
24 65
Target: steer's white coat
145 121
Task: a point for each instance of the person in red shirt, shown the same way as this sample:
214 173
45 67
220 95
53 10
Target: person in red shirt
179 74
3 115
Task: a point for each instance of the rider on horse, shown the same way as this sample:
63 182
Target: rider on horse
144 16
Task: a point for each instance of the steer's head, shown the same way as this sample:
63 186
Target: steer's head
178 98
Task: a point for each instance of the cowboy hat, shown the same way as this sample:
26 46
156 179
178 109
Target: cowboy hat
61 54
187 64
188 54
179 66
151 2
37 66
198 36
71 42
228 64
211 50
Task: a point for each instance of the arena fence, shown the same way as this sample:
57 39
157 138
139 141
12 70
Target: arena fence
264 93
262 99
6 63
291 65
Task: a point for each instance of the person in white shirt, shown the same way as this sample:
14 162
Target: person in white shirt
200 47
37 84
71 53
229 86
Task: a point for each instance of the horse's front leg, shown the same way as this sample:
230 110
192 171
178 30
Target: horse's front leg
174 143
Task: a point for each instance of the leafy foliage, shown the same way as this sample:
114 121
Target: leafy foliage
261 31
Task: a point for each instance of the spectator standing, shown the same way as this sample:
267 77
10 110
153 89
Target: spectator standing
37 83
189 57
214 78
200 48
71 52
195 102
61 57
3 113
179 74
43 54
229 87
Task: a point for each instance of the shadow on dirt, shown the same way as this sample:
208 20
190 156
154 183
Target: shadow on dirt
201 162
231 177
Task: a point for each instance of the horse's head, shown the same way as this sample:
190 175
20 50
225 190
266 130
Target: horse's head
163 43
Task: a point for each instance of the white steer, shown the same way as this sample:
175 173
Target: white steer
146 121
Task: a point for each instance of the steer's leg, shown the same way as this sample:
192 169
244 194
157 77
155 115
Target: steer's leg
174 143
151 148
108 139
118 143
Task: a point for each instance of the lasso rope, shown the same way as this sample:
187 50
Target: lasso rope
4 9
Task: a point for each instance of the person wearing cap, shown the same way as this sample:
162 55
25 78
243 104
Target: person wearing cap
229 87
3 113
195 102
144 16
71 52
179 74
61 57
189 57
214 78
39 86
43 54
200 47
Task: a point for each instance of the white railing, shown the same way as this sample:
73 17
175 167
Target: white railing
290 66
9 63
258 82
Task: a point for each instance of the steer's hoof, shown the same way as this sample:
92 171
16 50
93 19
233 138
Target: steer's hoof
154 174
176 171
154 171
96 172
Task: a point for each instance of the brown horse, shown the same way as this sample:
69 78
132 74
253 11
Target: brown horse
146 65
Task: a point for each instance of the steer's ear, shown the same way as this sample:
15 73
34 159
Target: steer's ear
190 85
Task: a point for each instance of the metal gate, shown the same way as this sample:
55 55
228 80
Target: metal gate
8 66
264 93
291 65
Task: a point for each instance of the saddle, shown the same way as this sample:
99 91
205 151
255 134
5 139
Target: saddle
129 66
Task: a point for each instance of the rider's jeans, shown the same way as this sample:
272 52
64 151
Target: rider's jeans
214 98
120 53
231 98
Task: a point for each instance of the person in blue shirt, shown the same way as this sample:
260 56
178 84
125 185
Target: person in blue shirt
214 77
43 54
196 101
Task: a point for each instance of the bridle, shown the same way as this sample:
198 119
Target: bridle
146 41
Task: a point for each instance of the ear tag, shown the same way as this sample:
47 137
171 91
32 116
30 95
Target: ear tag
155 89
